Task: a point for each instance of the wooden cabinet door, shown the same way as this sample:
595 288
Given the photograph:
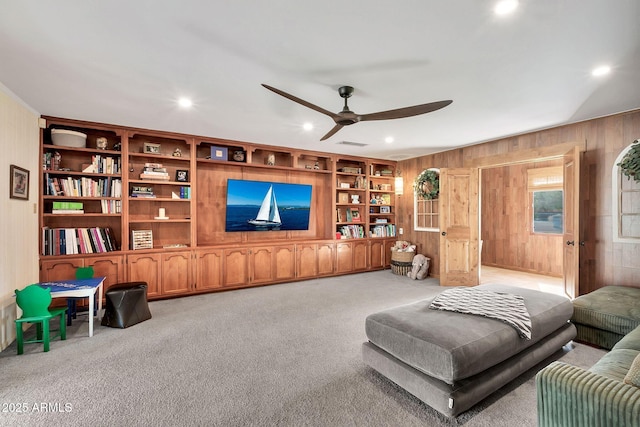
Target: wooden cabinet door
60 269
388 244
306 259
176 273
145 268
236 267
325 257
344 257
376 256
360 255
262 265
285 262
209 269
111 267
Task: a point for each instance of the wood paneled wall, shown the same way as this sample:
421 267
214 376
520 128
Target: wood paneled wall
506 223
602 262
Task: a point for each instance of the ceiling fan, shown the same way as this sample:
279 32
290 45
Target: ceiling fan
347 117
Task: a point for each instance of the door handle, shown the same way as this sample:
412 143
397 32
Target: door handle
570 242
444 233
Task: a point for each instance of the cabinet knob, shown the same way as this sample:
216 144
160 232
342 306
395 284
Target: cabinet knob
444 233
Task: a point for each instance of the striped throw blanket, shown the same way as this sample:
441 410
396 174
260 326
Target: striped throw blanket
507 308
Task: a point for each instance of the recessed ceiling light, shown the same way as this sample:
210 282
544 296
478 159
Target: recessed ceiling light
388 139
307 126
601 71
505 7
185 103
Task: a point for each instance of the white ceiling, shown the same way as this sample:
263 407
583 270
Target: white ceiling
126 62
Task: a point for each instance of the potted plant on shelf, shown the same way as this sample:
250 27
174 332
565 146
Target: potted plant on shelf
630 164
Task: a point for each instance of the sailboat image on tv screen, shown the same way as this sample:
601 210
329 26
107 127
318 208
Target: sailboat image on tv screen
268 215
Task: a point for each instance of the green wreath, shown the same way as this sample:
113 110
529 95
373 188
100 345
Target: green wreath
630 163
427 184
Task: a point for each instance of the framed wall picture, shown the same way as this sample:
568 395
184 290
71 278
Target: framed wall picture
150 148
18 183
182 175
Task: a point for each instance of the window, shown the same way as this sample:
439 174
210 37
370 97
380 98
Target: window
426 214
547 199
626 204
547 211
425 211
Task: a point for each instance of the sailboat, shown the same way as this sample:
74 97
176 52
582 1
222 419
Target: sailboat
268 215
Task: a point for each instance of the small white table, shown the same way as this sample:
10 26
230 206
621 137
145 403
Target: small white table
79 288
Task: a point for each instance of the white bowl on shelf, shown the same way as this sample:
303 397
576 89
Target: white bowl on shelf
68 138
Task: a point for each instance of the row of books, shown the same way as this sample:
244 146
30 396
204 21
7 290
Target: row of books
185 192
387 230
99 163
68 241
111 206
51 161
352 231
103 164
83 187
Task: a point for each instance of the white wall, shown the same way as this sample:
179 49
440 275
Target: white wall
19 142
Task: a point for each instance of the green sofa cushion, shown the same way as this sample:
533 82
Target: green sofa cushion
615 364
610 308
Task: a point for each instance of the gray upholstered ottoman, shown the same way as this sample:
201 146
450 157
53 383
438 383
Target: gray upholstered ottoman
604 316
451 360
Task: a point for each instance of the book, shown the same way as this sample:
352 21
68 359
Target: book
146 175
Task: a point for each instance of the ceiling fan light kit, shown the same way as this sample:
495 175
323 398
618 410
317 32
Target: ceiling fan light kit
347 117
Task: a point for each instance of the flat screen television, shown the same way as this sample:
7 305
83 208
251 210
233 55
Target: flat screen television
266 205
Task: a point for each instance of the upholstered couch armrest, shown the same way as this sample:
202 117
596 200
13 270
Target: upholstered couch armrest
571 396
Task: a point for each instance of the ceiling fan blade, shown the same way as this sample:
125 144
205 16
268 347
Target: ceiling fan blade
406 111
329 134
300 101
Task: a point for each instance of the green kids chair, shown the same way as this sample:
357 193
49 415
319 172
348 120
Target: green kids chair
34 302
72 311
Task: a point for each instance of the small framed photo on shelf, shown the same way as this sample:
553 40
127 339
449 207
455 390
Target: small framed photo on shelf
355 215
182 175
19 183
150 148
385 209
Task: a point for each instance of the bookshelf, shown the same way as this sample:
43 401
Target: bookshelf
159 188
81 192
149 205
381 198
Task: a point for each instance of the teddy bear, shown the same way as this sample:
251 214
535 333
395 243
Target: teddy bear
419 267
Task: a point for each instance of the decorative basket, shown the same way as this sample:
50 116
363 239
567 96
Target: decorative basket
401 268
402 256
